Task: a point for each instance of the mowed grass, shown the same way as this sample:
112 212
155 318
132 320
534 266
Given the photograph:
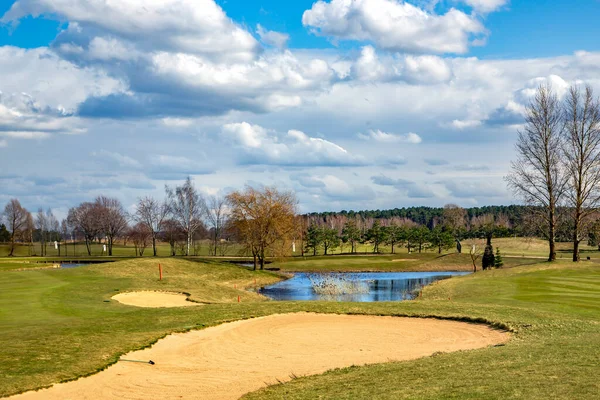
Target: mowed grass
57 325
395 262
79 250
554 310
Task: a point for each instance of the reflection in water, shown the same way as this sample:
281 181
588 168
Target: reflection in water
383 286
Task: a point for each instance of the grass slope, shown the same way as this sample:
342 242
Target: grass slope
555 311
57 325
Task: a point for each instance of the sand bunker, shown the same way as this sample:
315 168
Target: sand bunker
229 360
154 299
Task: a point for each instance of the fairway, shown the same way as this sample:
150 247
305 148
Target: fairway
58 325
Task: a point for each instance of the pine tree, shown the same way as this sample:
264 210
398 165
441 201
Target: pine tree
498 263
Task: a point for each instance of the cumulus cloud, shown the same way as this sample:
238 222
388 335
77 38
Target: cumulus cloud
394 25
272 38
190 26
261 146
21 117
383 137
427 69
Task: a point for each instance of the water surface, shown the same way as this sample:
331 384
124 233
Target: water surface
382 286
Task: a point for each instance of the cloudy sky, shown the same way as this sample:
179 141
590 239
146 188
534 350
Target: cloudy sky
354 104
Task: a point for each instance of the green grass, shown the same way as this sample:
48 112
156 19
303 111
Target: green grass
395 262
57 325
119 250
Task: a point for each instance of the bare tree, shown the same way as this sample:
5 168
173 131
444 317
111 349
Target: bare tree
582 156
264 220
454 219
41 224
16 218
187 207
152 214
140 235
85 219
538 176
216 215
112 219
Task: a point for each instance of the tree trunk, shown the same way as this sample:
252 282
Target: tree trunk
551 234
154 244
255 260
576 256
87 245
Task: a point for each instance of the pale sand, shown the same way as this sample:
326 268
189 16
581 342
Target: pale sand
229 360
154 299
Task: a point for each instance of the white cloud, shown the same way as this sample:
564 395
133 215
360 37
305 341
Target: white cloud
272 38
192 26
383 137
394 25
485 6
261 146
465 123
370 66
22 117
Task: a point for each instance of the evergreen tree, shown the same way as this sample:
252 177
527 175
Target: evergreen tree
376 235
441 239
329 239
487 261
4 234
394 234
498 262
351 234
313 239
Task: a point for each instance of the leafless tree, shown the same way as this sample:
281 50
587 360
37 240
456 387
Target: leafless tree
16 219
85 219
454 219
187 208
538 176
112 219
41 224
152 213
216 215
141 236
172 234
582 156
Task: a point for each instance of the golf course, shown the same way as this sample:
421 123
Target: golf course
528 330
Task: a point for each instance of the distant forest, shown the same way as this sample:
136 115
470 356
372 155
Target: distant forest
432 216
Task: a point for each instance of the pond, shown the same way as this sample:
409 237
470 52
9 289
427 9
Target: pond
355 286
72 265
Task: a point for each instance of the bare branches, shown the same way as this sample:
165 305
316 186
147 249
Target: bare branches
187 207
152 214
16 217
538 176
582 158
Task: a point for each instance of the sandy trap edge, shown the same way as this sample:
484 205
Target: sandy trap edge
209 361
155 299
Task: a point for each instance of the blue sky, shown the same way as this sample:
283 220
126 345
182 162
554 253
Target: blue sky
360 104
521 29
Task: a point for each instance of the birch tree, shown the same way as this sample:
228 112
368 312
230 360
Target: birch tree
187 207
